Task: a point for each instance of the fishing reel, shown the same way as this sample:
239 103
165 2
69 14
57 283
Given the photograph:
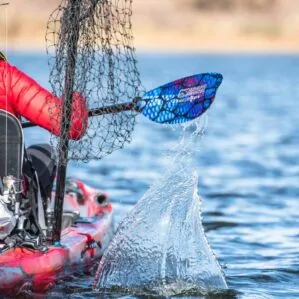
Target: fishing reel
10 189
11 193
10 201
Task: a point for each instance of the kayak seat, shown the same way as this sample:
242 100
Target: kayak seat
11 146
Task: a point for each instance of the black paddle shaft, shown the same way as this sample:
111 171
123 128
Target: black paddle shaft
101 111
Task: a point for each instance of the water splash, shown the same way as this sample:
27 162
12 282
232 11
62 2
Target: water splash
160 247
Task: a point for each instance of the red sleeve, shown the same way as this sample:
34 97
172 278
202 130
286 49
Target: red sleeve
39 106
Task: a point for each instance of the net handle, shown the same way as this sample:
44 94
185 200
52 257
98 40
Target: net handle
72 47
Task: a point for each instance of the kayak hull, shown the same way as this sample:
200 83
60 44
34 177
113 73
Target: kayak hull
32 270
23 269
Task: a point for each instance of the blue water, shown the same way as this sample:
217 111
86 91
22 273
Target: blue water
248 167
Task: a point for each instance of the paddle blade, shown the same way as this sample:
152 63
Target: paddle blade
181 100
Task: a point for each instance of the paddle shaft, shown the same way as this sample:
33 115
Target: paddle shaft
100 111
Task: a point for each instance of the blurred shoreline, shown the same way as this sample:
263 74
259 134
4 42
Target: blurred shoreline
162 43
209 26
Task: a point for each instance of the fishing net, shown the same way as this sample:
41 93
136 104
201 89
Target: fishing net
91 56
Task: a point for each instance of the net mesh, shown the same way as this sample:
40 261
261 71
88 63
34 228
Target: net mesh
91 56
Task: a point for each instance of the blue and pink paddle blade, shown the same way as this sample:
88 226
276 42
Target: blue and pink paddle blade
182 100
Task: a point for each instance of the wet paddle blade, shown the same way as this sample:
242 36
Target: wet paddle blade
182 100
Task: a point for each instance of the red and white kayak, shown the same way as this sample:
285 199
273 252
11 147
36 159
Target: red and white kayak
81 243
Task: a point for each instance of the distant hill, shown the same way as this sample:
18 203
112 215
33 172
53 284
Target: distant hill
181 25
229 5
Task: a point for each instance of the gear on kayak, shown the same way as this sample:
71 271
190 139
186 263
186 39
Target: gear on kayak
11 153
21 219
26 183
89 45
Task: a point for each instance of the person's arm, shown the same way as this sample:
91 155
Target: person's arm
39 106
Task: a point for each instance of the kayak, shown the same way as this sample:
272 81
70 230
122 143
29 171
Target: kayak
26 269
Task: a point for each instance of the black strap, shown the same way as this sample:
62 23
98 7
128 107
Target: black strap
32 191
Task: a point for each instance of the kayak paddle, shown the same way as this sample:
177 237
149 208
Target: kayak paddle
180 101
173 103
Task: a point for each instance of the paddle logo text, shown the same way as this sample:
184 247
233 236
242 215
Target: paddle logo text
191 93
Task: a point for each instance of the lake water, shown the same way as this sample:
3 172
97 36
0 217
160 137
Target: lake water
248 167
